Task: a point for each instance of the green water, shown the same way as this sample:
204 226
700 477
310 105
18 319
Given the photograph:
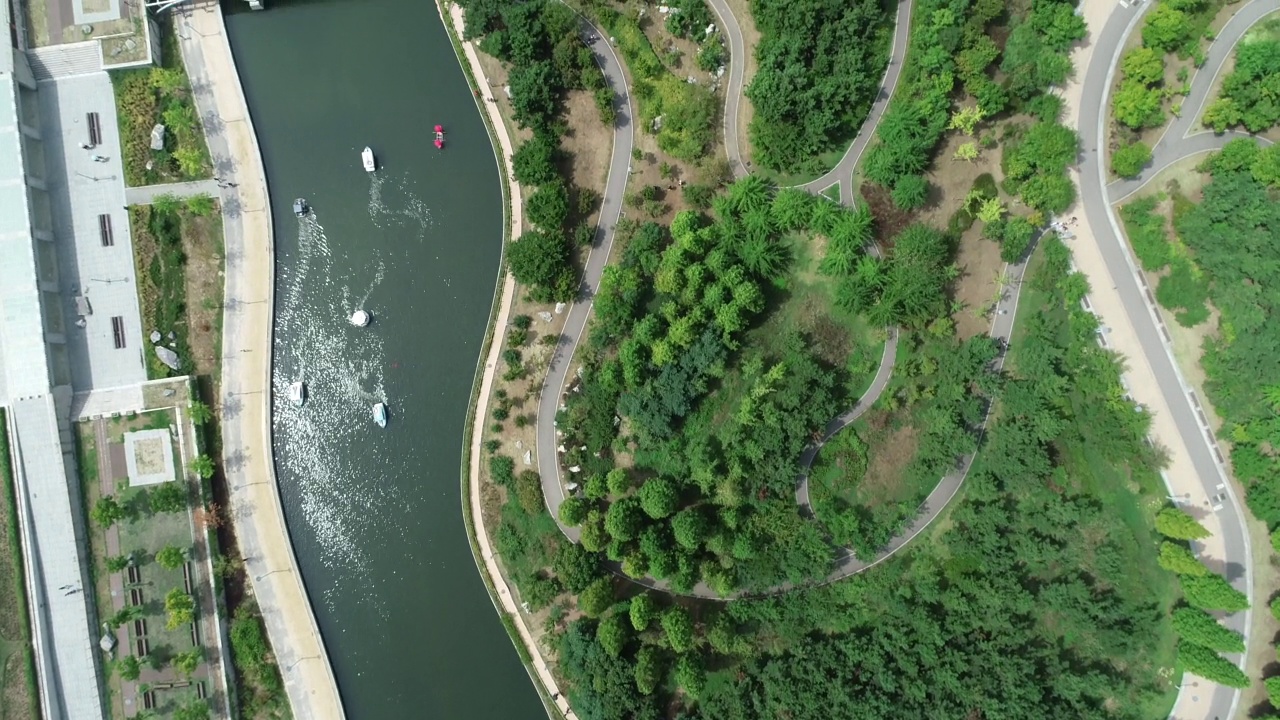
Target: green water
376 514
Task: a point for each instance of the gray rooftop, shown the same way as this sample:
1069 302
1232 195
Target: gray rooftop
22 348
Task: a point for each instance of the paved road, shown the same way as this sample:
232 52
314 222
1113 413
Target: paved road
1131 287
843 171
580 310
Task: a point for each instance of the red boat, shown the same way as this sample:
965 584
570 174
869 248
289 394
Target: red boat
439 137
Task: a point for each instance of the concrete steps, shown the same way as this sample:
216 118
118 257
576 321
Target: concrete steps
61 61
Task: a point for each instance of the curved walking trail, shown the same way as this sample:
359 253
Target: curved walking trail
246 392
550 399
1196 470
1186 137
843 171
580 310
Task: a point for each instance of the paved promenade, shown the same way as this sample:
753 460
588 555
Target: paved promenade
247 336
507 600
147 194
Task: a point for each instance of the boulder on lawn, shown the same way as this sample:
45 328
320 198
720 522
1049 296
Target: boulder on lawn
168 357
157 137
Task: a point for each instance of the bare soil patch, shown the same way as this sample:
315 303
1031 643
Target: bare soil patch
202 243
888 453
979 282
951 180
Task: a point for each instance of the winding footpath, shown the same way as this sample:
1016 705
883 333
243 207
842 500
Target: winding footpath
553 388
1197 475
843 171
579 312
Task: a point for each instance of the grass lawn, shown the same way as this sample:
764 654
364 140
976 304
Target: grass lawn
160 95
18 695
178 251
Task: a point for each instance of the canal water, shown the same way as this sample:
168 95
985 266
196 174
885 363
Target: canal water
375 514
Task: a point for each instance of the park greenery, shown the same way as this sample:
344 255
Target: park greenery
1044 577
541 45
1247 97
261 687
820 64
680 114
1172 33
160 95
952 41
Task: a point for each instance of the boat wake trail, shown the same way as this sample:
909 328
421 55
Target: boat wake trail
330 446
393 204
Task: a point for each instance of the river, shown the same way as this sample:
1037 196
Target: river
375 514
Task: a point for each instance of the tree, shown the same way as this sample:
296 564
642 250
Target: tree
171 82
117 563
529 492
643 611
1177 524
180 608
129 668
187 662
202 465
201 205
1143 65
1166 29
691 674
658 497
1202 661
618 481
1199 627
1015 238
593 536
535 94
967 151
966 119
108 511
1128 161
125 615
678 628
612 633
192 710
597 598
574 510
199 412
539 259
1179 560
690 528
1212 592
910 192
171 558
539 590
624 519
548 207
648 670
534 162
191 162
168 497
1273 691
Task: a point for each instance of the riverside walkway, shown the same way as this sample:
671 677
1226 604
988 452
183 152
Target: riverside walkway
245 405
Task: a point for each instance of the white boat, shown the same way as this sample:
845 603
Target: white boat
360 318
298 393
367 158
380 414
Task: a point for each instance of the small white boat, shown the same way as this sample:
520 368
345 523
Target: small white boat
298 393
366 157
360 318
380 414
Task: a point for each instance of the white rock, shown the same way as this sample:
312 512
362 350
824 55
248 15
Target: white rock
560 308
546 316
575 469
528 457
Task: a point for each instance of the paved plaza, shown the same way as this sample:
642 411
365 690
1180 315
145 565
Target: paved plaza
91 230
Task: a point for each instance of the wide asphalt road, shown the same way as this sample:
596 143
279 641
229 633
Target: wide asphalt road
580 310
1137 298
